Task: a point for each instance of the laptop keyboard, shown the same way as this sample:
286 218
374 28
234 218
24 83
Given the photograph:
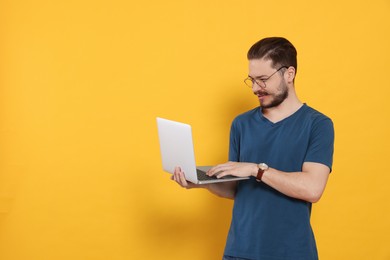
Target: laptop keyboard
202 176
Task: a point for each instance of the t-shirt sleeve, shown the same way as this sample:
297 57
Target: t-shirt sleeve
321 143
234 144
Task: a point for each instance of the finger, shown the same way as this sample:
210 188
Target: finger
176 177
223 174
215 169
176 173
220 168
183 180
179 177
177 169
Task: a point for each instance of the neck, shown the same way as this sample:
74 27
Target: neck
288 107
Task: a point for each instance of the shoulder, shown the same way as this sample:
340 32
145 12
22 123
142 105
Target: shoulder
247 116
318 123
245 120
315 116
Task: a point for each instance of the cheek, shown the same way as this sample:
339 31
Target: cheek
282 87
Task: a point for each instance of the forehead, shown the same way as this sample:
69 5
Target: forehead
260 67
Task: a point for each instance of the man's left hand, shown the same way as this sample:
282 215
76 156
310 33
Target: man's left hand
239 169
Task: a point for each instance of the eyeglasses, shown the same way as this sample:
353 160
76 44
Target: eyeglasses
249 81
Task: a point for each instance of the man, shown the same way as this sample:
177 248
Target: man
287 148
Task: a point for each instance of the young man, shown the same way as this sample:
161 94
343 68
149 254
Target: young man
287 149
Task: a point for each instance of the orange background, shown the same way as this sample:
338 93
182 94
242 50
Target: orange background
81 83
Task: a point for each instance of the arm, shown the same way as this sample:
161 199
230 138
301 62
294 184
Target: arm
307 185
223 189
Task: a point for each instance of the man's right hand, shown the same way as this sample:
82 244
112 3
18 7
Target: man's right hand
179 177
222 189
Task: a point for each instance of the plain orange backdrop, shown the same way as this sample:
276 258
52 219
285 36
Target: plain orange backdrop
81 83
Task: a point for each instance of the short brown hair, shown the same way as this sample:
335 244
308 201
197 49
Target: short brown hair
279 50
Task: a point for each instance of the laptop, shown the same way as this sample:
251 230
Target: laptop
177 149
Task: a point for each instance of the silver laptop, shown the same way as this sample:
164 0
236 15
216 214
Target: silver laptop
177 150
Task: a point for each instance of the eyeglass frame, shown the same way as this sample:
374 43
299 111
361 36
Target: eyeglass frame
261 81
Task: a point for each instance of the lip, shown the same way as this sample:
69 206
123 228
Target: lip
261 94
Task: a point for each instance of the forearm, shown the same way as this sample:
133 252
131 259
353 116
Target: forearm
307 185
304 185
292 184
223 189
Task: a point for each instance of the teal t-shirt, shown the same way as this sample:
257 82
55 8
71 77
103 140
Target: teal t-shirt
266 224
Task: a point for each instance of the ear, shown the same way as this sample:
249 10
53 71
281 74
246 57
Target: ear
290 74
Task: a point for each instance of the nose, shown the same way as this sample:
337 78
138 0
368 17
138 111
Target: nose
255 87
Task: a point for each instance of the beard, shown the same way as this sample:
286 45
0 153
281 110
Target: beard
277 98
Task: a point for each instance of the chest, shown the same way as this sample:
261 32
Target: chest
284 145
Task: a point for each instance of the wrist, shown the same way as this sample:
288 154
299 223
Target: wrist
255 170
262 167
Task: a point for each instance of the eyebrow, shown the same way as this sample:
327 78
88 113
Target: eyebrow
258 77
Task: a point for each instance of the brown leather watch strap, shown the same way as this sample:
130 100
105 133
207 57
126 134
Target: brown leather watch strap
260 173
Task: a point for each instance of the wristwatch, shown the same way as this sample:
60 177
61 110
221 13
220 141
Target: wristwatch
262 168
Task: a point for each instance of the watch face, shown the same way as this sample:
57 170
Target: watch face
263 166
